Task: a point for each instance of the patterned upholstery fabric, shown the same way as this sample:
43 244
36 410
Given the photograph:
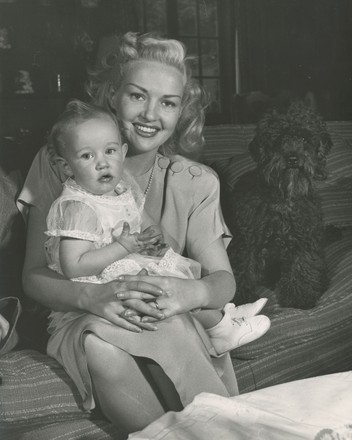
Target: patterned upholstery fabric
337 202
39 401
65 430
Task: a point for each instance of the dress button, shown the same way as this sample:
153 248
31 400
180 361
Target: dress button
163 162
176 167
195 171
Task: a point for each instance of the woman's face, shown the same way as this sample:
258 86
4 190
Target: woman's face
149 104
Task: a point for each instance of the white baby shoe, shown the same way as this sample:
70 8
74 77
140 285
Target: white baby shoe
246 310
229 333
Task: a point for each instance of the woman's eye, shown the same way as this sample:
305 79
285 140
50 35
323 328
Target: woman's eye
137 96
169 104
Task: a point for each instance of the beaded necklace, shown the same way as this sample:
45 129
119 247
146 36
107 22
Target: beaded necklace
150 179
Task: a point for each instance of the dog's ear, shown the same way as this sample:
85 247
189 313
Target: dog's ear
255 148
267 130
325 143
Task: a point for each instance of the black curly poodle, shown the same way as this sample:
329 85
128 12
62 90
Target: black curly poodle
276 217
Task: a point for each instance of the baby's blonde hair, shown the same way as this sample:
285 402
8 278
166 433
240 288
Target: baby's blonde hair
75 113
187 138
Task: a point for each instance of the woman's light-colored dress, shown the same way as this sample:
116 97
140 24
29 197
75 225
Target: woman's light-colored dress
184 200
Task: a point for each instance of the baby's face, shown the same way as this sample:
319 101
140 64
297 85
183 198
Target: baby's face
95 155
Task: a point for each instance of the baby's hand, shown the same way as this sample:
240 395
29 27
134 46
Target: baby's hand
129 241
153 239
152 234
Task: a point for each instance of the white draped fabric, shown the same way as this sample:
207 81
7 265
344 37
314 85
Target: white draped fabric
312 409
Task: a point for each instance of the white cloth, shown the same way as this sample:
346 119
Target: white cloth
312 409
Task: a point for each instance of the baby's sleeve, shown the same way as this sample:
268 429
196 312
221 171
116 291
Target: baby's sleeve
73 218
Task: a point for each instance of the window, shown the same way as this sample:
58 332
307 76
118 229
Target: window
199 24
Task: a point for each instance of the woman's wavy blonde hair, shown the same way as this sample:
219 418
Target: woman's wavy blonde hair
187 138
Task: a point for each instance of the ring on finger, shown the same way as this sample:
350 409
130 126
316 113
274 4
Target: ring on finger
126 313
156 304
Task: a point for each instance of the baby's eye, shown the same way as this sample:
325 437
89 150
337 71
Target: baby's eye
86 156
110 151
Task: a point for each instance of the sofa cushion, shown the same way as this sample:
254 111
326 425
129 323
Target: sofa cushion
328 323
337 202
81 429
339 161
38 400
34 386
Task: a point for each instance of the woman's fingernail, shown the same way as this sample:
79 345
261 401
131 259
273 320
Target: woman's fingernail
120 278
135 318
120 295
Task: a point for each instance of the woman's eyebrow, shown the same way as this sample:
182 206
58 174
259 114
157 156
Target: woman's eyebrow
146 91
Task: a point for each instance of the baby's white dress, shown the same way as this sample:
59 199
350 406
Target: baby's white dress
96 218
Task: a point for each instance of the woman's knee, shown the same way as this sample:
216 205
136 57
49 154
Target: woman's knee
101 356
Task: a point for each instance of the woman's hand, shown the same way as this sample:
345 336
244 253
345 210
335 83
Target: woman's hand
179 295
4 327
59 294
107 301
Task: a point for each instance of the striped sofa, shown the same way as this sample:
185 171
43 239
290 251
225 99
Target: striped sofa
300 343
39 401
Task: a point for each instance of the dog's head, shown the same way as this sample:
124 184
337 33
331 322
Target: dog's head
290 148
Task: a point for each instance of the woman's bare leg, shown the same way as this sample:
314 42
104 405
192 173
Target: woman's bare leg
125 396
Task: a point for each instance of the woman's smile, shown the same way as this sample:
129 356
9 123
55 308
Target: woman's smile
145 130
